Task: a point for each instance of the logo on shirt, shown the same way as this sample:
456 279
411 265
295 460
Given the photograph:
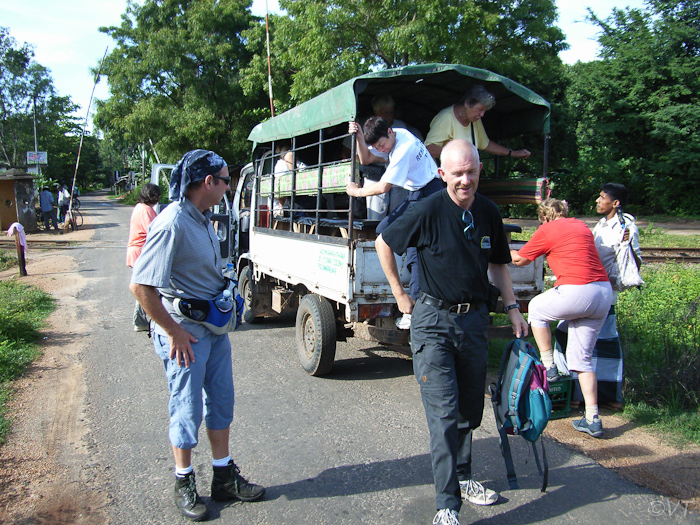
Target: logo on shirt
486 243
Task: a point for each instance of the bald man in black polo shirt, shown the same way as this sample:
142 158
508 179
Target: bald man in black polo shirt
459 236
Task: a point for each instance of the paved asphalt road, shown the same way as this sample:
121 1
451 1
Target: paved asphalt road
351 448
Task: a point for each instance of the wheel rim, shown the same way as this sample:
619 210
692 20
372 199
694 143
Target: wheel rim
247 295
308 336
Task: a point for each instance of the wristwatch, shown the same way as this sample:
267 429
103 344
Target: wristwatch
512 307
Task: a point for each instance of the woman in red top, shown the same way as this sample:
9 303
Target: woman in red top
582 296
141 218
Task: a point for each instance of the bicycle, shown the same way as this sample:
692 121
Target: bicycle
39 218
76 219
40 223
76 202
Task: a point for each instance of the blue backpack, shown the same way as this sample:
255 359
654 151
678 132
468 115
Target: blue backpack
521 403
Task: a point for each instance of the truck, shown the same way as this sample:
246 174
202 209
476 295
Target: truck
299 243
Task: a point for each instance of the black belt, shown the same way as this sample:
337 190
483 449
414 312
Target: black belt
457 308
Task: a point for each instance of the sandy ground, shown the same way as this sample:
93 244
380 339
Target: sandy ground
45 466
46 473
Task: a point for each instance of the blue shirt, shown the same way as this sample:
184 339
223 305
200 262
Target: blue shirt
181 256
46 201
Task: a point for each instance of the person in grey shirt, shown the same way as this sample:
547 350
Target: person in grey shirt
181 260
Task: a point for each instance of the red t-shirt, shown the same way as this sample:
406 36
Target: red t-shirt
570 249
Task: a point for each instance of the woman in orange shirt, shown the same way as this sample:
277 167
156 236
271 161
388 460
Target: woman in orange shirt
582 296
141 218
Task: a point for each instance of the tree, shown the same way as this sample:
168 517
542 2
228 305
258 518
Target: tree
174 78
27 92
321 43
639 107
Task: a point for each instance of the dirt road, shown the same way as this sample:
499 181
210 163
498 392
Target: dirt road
46 472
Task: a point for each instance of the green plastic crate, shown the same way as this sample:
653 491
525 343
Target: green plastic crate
560 395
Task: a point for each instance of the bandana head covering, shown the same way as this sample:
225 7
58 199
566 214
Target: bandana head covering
193 166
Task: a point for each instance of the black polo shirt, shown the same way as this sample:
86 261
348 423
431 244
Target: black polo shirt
451 267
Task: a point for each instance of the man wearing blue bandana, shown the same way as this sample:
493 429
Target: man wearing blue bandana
181 260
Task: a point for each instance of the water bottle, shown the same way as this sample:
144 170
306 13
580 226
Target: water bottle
225 301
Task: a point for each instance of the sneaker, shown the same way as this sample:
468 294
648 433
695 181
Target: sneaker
552 374
474 492
187 500
595 428
446 517
228 484
404 322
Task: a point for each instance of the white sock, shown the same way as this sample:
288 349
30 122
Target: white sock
182 472
547 357
220 462
591 412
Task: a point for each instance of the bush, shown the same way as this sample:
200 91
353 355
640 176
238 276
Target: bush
659 330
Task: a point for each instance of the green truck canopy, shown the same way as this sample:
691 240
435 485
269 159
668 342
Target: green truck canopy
419 92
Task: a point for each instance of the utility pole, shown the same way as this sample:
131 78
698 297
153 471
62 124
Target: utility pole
36 143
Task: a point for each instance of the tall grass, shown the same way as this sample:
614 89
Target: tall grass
7 260
23 311
659 330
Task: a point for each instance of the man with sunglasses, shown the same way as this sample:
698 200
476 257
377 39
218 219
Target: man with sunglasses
181 260
459 236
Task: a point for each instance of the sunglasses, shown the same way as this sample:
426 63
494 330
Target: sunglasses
468 219
227 180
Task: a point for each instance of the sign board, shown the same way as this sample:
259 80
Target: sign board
37 157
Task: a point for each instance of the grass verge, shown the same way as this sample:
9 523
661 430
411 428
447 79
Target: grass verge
659 330
23 311
7 261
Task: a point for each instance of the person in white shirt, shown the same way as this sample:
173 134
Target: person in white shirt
284 164
63 201
410 167
608 234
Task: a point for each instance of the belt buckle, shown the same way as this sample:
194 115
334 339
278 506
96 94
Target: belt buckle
461 308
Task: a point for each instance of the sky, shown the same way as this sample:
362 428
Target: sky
66 39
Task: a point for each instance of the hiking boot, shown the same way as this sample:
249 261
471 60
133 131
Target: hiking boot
552 374
446 517
187 500
228 484
474 492
595 428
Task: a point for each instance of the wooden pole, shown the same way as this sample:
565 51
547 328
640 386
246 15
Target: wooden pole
20 256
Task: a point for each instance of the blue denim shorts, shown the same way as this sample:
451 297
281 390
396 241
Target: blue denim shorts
206 384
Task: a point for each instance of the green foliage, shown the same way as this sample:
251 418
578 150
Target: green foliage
7 260
175 78
131 198
681 426
638 109
23 310
660 336
656 238
320 44
26 90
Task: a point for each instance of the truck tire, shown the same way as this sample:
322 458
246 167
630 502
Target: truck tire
245 288
316 336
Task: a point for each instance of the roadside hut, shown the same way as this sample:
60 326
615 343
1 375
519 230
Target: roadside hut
17 197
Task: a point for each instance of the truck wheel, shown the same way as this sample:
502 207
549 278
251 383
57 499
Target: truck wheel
245 288
316 338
